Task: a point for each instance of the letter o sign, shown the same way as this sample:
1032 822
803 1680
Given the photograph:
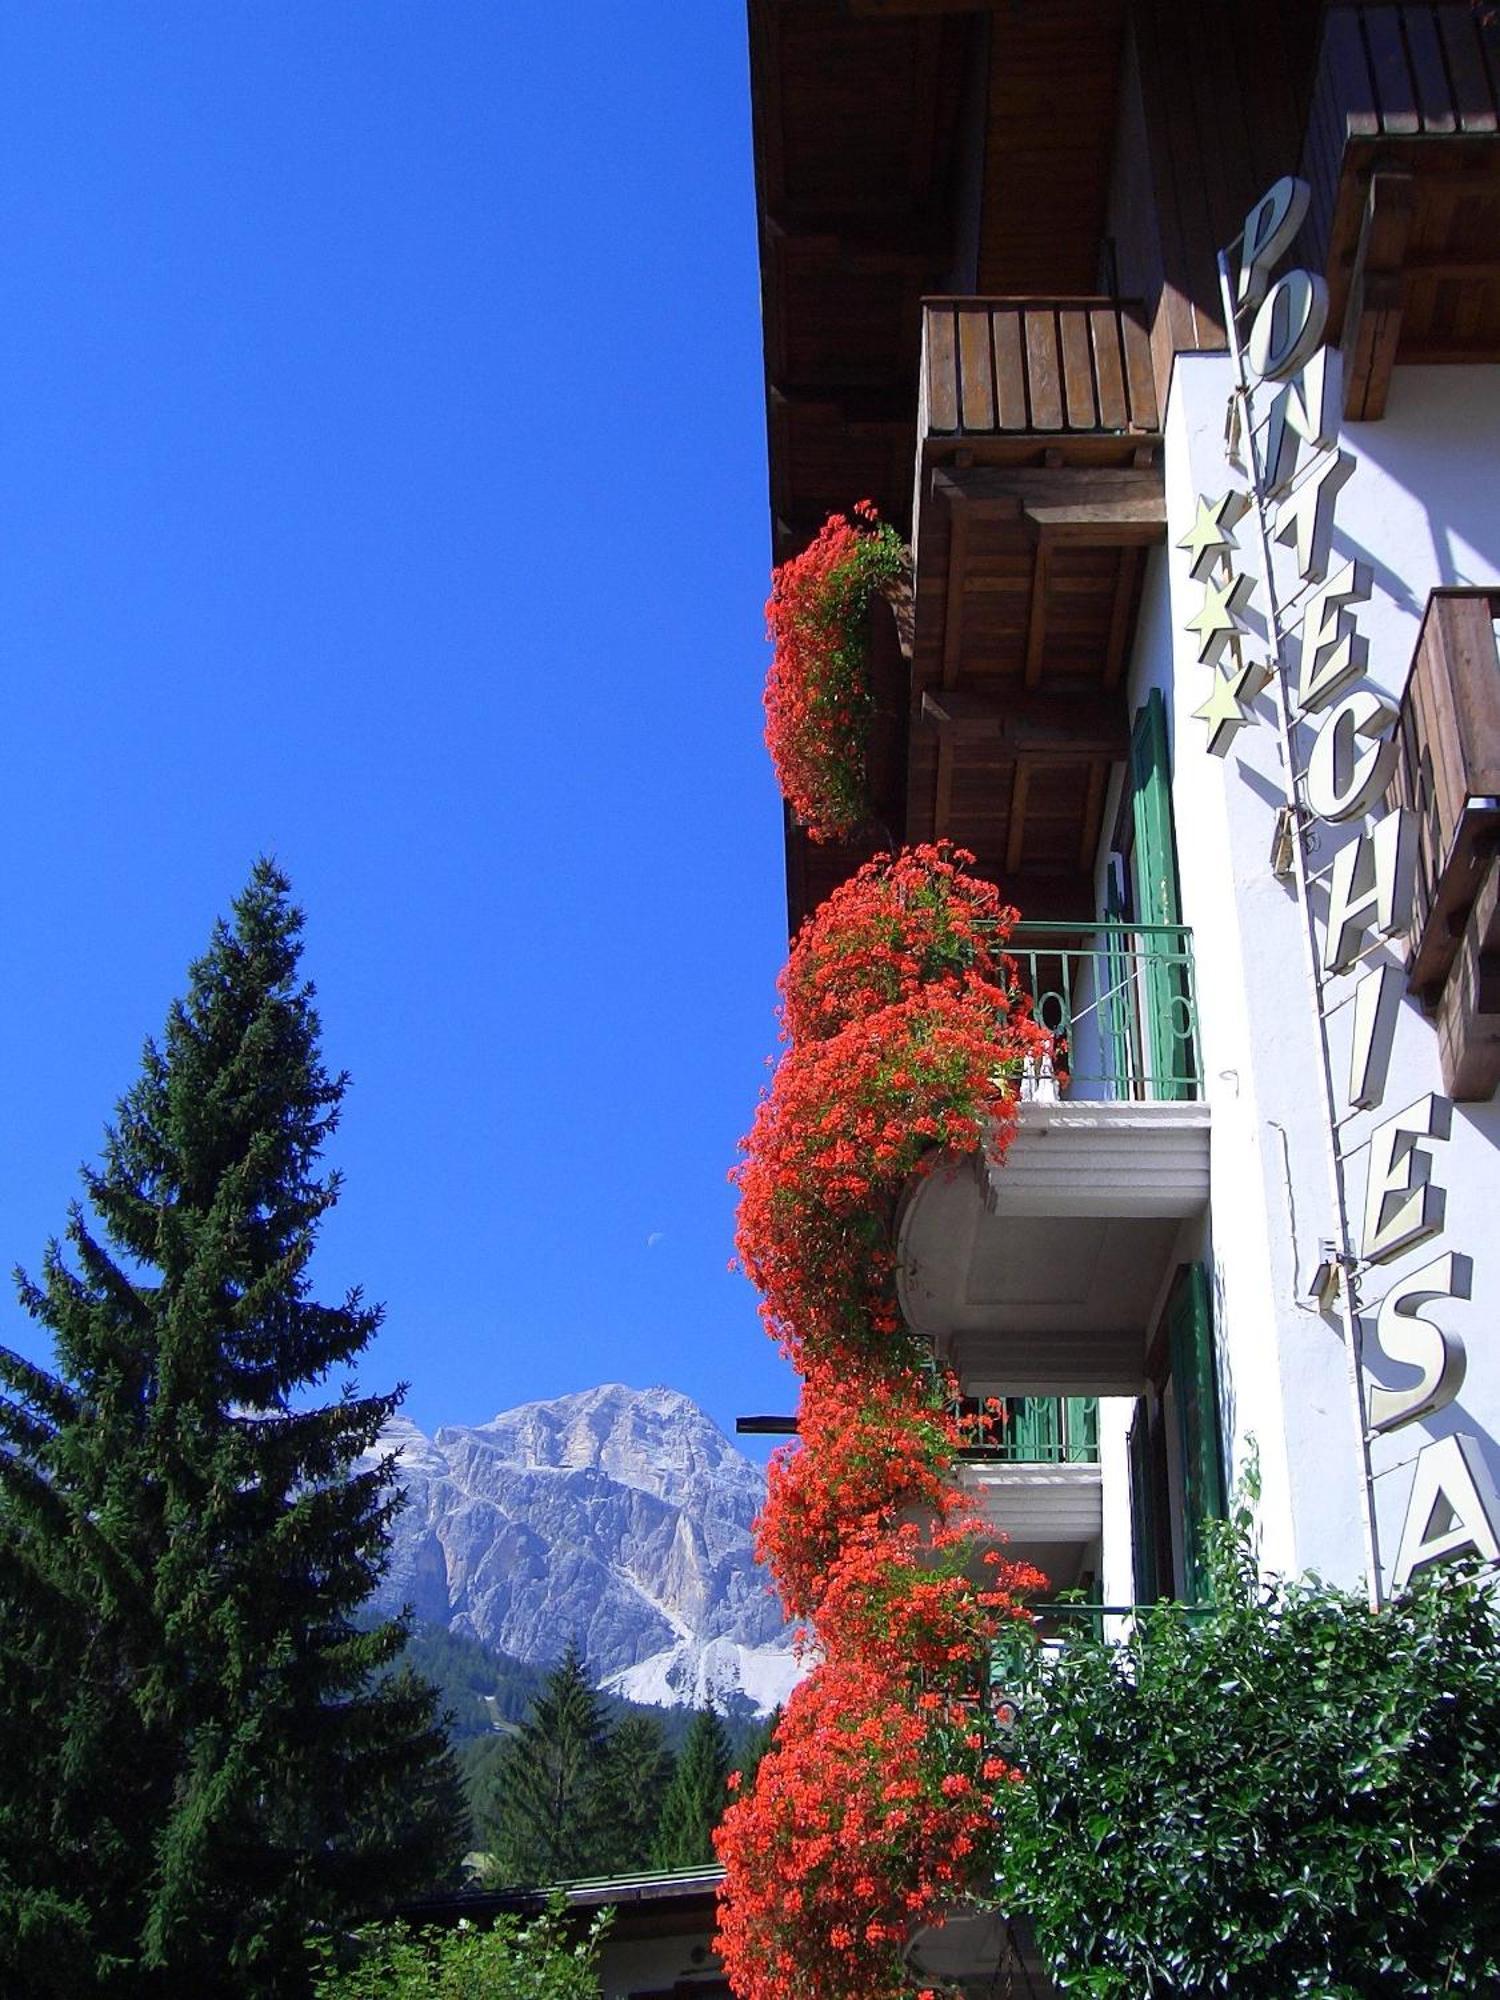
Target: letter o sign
1288 326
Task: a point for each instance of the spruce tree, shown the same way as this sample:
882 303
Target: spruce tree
634 1775
696 1796
539 1819
759 1741
205 1752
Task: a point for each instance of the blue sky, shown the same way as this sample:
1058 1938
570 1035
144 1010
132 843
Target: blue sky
383 487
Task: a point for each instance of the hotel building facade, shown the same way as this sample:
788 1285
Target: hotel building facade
1168 332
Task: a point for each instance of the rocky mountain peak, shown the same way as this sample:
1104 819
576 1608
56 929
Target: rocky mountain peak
620 1517
656 1440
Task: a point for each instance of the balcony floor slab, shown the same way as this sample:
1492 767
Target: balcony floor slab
1039 1275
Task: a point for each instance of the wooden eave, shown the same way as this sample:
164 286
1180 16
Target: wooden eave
854 125
901 148
1402 151
1049 141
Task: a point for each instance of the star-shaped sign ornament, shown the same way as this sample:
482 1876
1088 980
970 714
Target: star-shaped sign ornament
1219 621
1212 533
1259 675
1225 711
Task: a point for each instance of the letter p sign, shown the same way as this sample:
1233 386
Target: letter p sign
1269 229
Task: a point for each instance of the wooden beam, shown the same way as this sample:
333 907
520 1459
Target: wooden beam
1036 628
1032 725
1016 831
1129 524
1372 316
953 593
1101 506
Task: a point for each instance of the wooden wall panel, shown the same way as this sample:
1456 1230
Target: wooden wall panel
1212 108
1053 75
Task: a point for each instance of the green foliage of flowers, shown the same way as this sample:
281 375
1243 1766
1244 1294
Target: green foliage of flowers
1290 1795
515 1960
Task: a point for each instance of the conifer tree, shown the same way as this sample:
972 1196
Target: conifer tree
753 1751
539 1819
696 1796
634 1775
204 1752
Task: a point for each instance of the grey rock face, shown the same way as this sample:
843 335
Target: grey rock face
619 1517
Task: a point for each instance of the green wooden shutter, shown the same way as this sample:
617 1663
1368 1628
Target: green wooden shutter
1081 1424
1155 858
1033 1429
1143 1508
1158 901
1115 1011
1190 1337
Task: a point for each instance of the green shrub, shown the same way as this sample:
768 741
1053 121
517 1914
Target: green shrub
515 1960
1287 1796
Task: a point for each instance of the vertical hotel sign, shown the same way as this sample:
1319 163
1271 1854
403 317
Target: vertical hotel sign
1286 408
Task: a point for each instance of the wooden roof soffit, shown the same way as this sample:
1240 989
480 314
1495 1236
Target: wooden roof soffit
1065 727
872 10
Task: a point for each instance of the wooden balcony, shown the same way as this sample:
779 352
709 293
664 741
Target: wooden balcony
1038 491
1448 772
1402 151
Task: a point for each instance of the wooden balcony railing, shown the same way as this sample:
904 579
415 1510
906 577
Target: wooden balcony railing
1448 773
997 367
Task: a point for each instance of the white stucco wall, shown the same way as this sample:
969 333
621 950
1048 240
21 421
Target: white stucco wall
1422 509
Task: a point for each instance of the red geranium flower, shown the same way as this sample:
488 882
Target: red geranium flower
818 701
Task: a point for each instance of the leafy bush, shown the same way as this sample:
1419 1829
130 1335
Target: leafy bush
1289 1796
513 1961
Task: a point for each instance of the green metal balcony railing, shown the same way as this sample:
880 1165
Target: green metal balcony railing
1057 1620
1119 1001
1030 1430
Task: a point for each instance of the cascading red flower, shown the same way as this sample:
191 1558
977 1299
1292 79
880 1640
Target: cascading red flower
904 924
852 1838
872 1445
845 1126
876 1808
818 700
924 1058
